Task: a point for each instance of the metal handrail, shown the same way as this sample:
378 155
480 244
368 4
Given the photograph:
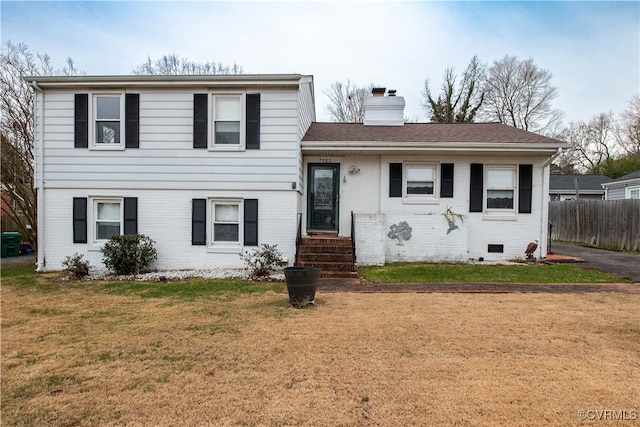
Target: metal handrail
298 238
353 242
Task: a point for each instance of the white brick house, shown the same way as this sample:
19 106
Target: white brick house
210 166
388 172
205 166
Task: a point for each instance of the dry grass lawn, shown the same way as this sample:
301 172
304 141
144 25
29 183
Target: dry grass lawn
79 358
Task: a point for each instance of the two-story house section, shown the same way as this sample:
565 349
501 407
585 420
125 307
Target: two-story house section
206 166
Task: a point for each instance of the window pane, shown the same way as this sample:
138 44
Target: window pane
106 230
419 187
109 212
227 132
108 108
225 232
419 174
500 199
500 178
226 213
228 108
107 132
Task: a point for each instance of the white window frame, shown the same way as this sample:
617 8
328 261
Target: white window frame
212 121
225 246
93 119
628 192
94 216
420 198
514 188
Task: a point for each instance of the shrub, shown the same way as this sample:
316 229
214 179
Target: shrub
129 253
76 265
263 261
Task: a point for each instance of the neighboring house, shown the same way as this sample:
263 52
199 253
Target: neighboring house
626 187
211 166
564 187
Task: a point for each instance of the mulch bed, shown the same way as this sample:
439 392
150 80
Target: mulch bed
354 285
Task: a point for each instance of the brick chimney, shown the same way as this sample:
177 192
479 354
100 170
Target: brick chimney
381 110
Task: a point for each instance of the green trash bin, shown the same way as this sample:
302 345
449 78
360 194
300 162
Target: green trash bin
11 243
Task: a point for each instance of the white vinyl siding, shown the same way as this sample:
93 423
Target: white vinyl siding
166 135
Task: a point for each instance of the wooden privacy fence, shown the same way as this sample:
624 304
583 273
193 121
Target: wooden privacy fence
607 224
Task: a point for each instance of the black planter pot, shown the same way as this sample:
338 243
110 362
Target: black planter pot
302 283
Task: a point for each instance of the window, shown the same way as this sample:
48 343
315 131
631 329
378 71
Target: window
108 218
227 122
420 180
633 193
225 225
501 186
108 123
226 221
227 117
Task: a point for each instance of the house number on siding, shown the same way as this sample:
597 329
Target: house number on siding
325 160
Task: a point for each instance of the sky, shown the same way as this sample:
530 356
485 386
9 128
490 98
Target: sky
591 47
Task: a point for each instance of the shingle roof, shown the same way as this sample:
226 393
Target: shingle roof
632 175
425 132
585 182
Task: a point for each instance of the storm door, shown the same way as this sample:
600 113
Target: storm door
322 200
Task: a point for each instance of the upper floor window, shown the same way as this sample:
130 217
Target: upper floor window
501 187
227 119
108 121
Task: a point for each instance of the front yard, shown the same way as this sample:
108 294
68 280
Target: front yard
125 354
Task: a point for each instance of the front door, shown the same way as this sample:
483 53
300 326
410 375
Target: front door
322 200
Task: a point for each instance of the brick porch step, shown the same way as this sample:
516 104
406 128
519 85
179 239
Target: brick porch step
334 255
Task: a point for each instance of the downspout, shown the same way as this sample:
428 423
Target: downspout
39 171
544 226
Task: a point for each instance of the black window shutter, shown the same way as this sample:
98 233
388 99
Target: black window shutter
200 120
79 220
446 180
130 215
525 188
132 120
251 222
81 121
199 222
395 179
476 189
253 121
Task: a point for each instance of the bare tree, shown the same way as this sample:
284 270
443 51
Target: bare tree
456 105
346 102
172 64
592 144
518 93
628 131
16 134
